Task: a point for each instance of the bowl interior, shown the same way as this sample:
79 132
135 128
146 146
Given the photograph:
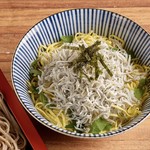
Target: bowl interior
70 22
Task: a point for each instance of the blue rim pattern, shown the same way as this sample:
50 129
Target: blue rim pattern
69 22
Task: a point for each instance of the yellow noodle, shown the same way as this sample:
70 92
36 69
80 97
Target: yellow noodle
123 110
117 38
89 38
52 115
114 115
132 85
139 67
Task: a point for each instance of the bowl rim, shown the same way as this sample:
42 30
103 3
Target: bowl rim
57 129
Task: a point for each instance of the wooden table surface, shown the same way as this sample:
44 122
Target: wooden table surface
18 16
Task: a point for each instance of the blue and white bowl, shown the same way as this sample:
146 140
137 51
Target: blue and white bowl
69 22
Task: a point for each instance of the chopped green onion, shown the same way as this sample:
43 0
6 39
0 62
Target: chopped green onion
89 56
104 65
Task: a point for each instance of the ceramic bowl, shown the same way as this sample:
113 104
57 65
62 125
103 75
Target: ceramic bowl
69 22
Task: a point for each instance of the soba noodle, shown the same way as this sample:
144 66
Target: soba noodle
11 137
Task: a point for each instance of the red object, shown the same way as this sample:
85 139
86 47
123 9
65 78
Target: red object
20 115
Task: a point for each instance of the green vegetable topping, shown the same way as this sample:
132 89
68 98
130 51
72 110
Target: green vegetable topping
35 66
89 56
67 39
100 125
33 89
35 72
115 49
71 125
43 98
142 83
130 52
140 90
